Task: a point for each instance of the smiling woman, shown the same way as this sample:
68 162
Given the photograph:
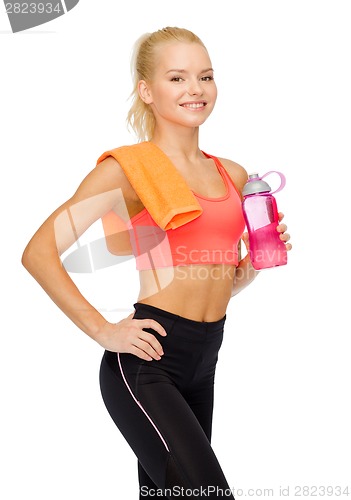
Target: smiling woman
163 58
181 208
190 87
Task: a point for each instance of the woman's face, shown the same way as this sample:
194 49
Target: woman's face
182 90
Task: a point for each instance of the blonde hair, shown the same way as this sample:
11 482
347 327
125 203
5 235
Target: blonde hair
140 116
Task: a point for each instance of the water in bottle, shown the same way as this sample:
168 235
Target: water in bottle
261 217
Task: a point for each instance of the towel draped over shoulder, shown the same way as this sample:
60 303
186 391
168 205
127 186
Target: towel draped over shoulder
160 187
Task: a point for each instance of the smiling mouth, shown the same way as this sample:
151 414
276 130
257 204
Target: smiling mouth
193 105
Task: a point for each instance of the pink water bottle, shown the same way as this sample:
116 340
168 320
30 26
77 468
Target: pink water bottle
261 217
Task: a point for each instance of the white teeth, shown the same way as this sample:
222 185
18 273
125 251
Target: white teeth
194 105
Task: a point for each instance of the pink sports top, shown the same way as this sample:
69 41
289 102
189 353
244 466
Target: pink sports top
211 238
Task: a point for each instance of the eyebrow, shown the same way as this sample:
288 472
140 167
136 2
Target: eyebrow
184 71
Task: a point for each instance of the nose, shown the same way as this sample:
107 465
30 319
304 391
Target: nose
195 87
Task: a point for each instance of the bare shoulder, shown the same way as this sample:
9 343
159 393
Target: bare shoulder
107 175
237 173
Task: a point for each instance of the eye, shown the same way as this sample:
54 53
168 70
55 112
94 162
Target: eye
207 78
176 79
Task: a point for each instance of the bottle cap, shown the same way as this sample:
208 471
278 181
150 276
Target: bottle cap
255 185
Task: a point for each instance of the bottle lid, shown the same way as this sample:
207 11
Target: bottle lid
255 185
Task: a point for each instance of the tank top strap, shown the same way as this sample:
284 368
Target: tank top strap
217 162
224 171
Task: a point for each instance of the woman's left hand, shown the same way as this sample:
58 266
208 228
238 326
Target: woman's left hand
281 228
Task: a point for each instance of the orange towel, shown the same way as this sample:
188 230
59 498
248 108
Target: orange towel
160 187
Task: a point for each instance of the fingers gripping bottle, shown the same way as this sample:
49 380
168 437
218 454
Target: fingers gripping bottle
261 217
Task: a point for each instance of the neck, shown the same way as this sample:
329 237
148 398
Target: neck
178 143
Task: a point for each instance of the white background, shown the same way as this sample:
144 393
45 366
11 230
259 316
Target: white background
282 408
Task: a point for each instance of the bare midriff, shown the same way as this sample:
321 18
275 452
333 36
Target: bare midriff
198 292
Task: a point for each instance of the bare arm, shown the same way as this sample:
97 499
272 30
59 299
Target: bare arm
245 272
101 191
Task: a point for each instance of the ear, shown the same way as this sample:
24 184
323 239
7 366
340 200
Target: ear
144 92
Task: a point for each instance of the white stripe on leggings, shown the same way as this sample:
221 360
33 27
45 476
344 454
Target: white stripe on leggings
139 404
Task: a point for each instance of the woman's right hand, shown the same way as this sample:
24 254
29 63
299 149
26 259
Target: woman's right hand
128 335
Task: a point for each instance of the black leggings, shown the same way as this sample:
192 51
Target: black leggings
164 407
